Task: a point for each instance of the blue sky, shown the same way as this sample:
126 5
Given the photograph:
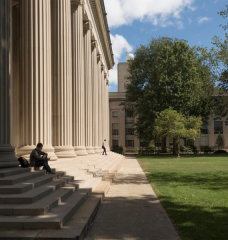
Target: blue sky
134 22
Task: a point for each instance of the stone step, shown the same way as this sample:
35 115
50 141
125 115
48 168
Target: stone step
81 220
59 164
6 172
103 164
32 195
15 179
52 220
30 184
92 183
40 207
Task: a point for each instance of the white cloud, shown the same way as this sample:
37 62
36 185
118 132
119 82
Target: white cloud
203 19
124 12
119 46
180 24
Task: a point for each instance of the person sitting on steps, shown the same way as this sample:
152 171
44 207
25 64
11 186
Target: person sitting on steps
104 148
39 158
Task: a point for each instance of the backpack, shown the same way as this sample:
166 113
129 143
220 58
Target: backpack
24 163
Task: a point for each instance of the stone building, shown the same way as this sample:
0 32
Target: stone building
121 122
55 57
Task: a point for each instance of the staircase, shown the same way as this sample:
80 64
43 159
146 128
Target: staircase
36 205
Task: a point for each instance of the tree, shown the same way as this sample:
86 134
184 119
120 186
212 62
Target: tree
219 62
220 141
168 73
170 123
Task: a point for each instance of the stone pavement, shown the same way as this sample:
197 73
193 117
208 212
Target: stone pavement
131 210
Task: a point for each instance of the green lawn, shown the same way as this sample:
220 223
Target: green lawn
194 192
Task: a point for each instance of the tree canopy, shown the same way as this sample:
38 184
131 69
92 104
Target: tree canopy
168 73
170 123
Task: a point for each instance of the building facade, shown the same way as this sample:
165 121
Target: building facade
55 57
121 123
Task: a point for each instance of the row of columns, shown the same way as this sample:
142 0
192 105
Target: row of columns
63 88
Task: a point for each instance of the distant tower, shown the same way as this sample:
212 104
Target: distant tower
130 57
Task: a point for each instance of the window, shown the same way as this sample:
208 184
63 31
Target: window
218 127
129 131
144 144
114 114
157 142
129 114
115 142
115 129
130 143
204 129
188 142
204 141
170 141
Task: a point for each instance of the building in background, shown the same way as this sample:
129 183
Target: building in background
121 122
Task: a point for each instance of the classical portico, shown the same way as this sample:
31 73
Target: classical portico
54 61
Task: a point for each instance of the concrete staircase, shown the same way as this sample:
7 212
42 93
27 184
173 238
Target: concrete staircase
36 205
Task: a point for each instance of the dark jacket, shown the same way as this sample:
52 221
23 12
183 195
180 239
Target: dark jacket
36 155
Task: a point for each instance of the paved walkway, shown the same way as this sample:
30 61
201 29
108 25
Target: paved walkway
131 210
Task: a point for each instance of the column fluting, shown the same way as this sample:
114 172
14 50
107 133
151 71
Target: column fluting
78 86
7 156
35 76
88 87
95 102
100 110
107 115
62 78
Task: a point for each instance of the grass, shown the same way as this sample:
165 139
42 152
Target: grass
194 192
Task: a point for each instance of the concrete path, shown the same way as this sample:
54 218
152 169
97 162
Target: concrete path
131 210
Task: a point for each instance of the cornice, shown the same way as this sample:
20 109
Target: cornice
104 33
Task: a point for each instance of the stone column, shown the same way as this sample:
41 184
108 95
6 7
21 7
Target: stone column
88 88
78 78
35 66
107 114
62 78
7 157
95 105
103 101
100 109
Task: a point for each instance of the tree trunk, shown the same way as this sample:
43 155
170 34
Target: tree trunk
174 146
163 145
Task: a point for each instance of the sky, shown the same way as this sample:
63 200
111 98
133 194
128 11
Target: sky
135 22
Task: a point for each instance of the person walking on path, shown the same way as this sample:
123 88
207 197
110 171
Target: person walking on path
39 158
104 148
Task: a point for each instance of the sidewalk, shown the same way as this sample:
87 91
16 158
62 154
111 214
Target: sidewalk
131 210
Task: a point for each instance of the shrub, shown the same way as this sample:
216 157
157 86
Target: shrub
117 149
220 152
206 149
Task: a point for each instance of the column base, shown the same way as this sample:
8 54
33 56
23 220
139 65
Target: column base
26 150
90 150
108 149
97 150
7 158
80 151
65 152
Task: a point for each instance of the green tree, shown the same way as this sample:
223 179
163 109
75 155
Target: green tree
220 141
219 66
170 123
168 73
